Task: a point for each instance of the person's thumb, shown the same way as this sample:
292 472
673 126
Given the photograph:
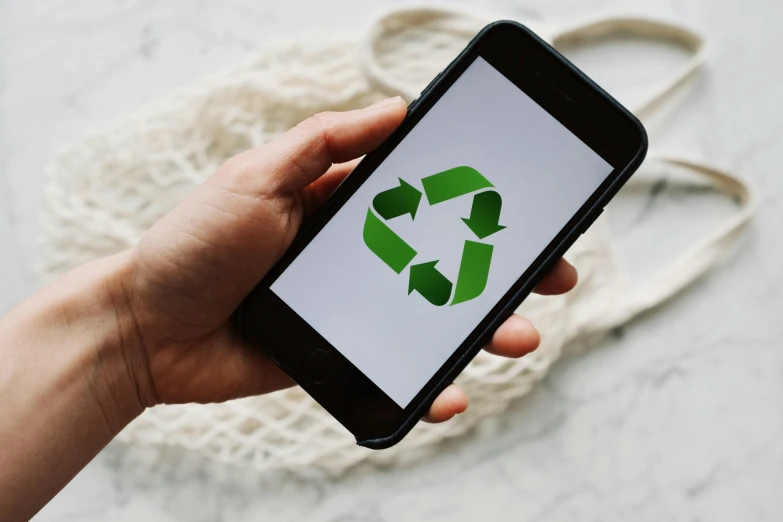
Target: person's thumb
305 152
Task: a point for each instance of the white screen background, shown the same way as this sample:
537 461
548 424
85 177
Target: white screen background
542 171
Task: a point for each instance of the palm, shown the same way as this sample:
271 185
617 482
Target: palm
194 268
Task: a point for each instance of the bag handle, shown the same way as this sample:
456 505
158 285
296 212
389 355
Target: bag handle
658 29
689 265
420 40
447 30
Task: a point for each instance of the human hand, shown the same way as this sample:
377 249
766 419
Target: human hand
189 273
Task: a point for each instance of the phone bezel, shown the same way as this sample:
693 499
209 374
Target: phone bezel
562 90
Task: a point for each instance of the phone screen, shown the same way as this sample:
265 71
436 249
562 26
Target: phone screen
434 238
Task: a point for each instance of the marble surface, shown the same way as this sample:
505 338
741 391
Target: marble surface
677 416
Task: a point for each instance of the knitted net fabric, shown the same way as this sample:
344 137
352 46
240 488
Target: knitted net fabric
105 191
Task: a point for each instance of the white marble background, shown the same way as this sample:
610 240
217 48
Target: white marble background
678 416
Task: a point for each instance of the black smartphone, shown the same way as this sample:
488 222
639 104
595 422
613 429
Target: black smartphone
437 236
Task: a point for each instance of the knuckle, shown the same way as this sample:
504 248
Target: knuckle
235 164
318 128
244 161
244 174
319 122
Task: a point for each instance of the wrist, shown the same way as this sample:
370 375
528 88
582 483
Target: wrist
87 343
114 351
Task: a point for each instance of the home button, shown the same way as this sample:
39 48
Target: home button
318 367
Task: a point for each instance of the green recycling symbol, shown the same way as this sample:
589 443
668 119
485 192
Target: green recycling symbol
476 256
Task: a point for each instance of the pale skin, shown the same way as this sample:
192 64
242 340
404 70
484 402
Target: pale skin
83 357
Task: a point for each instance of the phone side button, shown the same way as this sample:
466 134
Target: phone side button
590 223
318 367
429 85
425 91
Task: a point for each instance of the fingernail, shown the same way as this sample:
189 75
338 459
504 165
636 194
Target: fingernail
385 103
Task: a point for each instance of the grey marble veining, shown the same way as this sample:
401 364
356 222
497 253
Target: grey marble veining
676 416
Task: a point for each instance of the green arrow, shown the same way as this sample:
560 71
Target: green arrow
484 214
387 245
430 283
473 271
397 201
453 183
